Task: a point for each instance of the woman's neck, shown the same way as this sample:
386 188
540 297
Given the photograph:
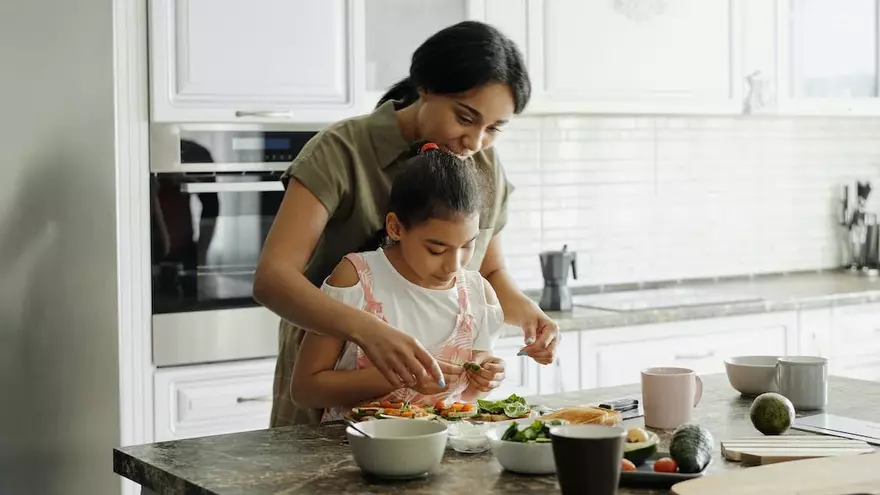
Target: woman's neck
407 119
395 257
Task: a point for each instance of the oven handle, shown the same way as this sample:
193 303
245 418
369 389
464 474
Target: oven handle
218 187
268 114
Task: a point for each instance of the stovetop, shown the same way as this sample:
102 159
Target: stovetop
670 297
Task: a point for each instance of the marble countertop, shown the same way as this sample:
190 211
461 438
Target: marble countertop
804 290
316 459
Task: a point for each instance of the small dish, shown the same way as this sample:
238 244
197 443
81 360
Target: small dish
645 477
398 449
468 438
752 375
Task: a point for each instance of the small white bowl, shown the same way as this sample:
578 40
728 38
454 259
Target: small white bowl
524 458
752 375
398 449
467 437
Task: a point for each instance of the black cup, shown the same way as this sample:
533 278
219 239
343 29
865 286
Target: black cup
588 458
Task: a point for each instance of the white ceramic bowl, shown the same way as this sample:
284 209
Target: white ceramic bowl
525 458
752 375
398 449
467 437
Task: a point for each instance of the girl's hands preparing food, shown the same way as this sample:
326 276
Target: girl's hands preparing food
427 385
485 374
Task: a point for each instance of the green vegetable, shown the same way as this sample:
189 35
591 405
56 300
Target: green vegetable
772 413
639 452
691 448
537 432
513 406
471 366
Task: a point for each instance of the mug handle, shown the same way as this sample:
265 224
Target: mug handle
699 393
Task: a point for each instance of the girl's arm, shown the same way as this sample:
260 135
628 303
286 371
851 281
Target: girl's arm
315 384
488 320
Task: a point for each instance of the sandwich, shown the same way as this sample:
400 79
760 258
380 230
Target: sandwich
513 407
580 415
388 408
455 411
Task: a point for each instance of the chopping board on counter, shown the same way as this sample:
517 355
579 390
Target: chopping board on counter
839 475
783 448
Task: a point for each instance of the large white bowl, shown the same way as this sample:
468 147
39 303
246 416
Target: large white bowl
398 448
752 375
525 458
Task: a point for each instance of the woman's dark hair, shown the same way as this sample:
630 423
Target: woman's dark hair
434 184
462 57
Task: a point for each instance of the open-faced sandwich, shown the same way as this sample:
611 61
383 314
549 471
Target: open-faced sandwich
386 409
455 411
586 415
513 407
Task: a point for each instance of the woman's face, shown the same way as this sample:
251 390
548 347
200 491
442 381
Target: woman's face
435 250
468 122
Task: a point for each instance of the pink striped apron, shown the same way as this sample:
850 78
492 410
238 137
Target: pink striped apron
456 349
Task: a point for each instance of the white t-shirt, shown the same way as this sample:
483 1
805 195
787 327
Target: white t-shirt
429 315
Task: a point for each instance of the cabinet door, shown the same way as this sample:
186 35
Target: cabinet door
617 356
212 399
636 56
828 55
855 332
255 61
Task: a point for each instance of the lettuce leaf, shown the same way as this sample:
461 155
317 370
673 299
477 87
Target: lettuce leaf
511 406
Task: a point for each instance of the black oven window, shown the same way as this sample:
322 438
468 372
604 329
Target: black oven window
207 234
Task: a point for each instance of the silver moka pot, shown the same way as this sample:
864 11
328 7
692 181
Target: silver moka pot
556 295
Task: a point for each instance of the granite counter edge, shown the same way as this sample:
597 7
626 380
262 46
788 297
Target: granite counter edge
153 478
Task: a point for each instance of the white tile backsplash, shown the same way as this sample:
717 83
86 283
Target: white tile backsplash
659 198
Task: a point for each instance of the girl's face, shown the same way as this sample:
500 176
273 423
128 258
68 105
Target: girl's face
468 122
434 251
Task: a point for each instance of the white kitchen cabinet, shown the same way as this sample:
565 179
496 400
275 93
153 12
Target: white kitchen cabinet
257 61
828 56
646 56
213 399
855 341
616 356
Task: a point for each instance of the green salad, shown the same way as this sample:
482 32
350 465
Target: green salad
512 407
537 432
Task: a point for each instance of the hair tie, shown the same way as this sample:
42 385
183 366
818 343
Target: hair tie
429 146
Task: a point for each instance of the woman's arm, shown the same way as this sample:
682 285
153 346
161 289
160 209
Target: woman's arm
280 285
315 384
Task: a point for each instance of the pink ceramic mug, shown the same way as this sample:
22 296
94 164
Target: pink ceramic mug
669 396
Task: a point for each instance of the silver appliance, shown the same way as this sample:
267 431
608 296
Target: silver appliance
556 295
215 192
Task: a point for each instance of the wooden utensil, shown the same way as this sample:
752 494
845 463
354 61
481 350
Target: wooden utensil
823 476
773 449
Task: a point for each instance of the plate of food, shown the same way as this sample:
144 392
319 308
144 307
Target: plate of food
688 456
390 410
512 408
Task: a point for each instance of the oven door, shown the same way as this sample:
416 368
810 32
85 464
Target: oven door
208 231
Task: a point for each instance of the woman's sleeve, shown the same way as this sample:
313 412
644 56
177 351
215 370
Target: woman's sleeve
488 316
323 168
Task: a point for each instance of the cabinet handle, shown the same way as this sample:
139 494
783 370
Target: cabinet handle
272 114
694 356
261 398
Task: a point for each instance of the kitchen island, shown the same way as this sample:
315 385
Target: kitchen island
317 460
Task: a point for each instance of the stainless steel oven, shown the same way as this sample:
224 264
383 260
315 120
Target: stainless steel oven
215 192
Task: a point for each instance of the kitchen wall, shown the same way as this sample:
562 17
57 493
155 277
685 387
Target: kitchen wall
658 198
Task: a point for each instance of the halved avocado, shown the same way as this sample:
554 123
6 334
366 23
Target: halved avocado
639 452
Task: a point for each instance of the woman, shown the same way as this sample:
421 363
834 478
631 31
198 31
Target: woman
465 83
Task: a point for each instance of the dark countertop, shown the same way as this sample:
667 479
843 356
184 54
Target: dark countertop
782 292
316 460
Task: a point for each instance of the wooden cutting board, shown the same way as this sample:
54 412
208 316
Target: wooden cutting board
773 449
823 476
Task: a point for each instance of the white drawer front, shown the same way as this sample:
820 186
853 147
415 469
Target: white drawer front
210 400
618 364
855 331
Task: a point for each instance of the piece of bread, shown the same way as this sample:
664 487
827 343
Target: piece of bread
580 415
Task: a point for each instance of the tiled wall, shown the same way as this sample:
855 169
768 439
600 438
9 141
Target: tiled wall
659 198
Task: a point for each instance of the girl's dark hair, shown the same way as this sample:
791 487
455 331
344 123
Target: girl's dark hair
461 57
435 184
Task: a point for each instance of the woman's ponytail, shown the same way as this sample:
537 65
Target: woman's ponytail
404 91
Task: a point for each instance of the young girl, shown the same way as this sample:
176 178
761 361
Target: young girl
416 284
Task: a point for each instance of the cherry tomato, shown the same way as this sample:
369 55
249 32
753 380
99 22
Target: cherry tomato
665 465
627 465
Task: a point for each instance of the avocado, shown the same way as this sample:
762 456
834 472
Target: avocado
643 448
691 448
771 413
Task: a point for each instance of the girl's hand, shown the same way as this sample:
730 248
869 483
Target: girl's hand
401 359
489 376
541 334
429 386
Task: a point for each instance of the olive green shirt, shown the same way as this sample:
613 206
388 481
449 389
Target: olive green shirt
349 166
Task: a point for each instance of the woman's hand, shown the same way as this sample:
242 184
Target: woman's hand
401 359
489 376
429 386
541 333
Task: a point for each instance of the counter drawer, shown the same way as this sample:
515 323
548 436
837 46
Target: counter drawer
212 399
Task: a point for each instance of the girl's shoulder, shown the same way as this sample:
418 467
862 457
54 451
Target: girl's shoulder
479 290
